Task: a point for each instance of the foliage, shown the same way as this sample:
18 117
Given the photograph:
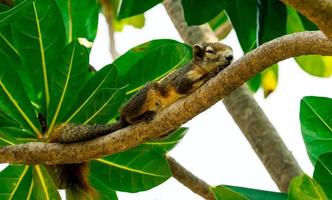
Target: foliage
55 65
42 63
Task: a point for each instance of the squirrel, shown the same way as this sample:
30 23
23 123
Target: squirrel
208 60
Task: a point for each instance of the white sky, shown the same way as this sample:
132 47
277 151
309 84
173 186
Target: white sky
214 149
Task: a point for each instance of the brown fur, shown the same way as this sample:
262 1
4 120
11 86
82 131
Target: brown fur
209 59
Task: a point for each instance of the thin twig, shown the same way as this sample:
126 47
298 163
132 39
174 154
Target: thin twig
108 13
189 180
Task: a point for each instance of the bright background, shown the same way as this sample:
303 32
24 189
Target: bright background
214 148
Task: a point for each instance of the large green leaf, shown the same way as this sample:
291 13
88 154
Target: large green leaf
316 125
165 144
80 17
9 16
13 98
68 75
130 8
254 194
316 65
150 61
198 12
313 64
243 14
39 35
15 135
7 121
96 93
137 21
43 185
16 182
102 108
305 188
7 44
307 24
272 19
323 173
134 170
104 192
224 193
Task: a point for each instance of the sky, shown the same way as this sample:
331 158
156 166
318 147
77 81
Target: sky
214 148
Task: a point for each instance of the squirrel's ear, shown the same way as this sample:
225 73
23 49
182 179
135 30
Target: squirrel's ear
198 51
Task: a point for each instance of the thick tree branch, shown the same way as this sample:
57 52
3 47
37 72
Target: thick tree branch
189 180
181 111
318 11
276 158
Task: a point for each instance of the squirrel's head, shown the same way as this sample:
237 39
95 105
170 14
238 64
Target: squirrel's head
213 56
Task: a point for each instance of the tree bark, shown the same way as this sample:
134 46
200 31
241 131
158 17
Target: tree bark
318 11
107 11
181 111
277 159
189 180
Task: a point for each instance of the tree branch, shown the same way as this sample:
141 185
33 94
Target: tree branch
107 11
318 11
189 180
223 30
181 111
276 158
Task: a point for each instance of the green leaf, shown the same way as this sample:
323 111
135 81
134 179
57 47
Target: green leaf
254 194
218 20
323 173
224 193
255 82
130 8
102 108
150 61
13 98
7 44
243 14
68 76
136 21
316 65
165 144
272 19
6 120
134 170
80 17
198 12
316 125
83 106
9 16
16 182
104 192
305 188
307 24
43 185
39 35
14 135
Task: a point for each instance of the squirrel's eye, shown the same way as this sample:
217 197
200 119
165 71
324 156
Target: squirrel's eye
210 51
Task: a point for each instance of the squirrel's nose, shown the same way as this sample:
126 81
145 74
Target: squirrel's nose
229 57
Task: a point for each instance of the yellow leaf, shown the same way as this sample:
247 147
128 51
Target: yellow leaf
269 80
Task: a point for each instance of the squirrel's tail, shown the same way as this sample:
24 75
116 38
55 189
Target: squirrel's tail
74 178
